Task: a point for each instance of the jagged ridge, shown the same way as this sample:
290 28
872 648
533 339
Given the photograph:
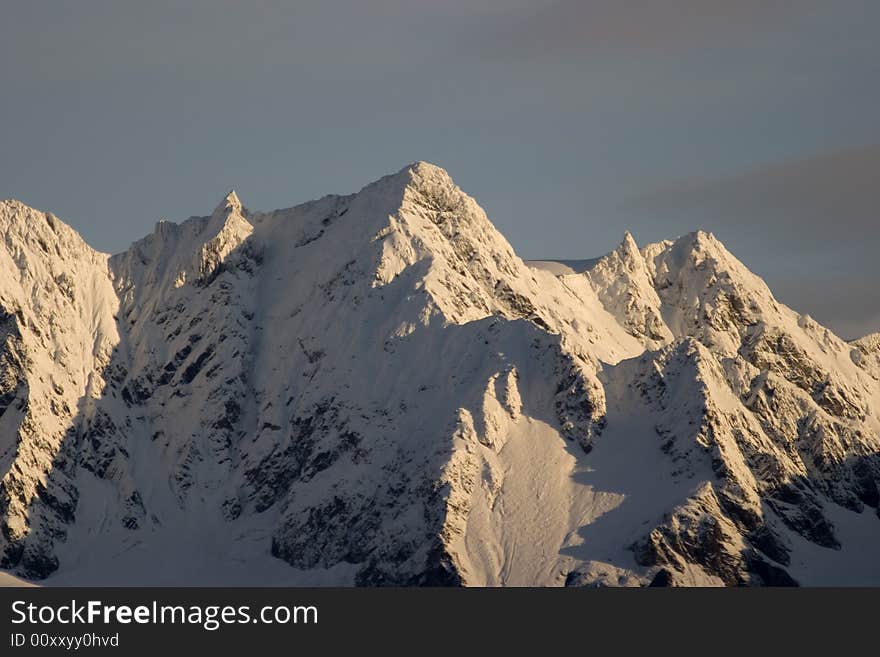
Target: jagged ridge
375 389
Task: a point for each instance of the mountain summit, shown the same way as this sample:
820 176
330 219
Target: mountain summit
375 389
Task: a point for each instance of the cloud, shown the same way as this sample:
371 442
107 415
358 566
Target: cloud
642 24
828 196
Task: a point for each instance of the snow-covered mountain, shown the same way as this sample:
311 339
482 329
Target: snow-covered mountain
374 389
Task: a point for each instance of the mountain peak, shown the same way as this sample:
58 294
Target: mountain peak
628 248
42 229
15 209
421 167
695 247
700 240
418 177
230 203
624 286
420 173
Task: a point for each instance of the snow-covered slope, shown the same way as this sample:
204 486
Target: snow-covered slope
866 354
375 389
57 335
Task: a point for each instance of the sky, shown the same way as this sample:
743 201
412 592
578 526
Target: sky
570 121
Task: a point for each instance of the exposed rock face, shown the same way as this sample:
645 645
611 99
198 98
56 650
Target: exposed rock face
374 389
